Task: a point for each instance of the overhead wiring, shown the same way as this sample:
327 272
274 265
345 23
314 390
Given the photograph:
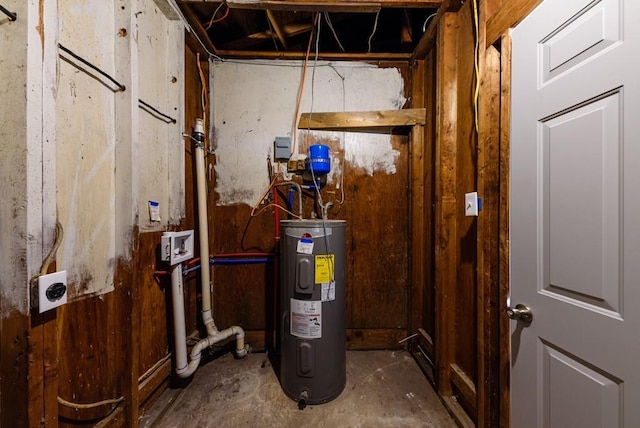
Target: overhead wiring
213 17
330 24
476 62
301 89
375 27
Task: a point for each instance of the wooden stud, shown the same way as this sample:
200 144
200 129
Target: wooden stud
487 243
338 121
446 203
417 174
505 138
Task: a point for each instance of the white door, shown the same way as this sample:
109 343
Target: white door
575 215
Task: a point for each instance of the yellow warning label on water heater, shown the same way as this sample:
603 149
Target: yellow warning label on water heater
324 268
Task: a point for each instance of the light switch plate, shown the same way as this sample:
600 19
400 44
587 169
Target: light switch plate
52 291
471 204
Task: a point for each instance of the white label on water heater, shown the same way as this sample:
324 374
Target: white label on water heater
306 318
305 246
329 291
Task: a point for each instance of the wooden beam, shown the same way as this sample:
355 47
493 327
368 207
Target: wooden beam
200 31
326 56
428 39
288 30
363 119
276 26
508 16
326 5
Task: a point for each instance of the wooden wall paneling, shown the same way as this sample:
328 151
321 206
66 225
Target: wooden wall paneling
465 286
488 238
14 367
503 225
96 357
417 173
507 16
153 304
445 209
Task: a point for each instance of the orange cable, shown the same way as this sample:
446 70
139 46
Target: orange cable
304 74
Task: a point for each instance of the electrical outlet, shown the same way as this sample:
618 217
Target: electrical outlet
52 291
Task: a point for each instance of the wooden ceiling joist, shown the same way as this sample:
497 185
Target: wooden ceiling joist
354 121
326 5
427 41
324 56
277 28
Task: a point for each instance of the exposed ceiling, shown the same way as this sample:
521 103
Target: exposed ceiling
349 29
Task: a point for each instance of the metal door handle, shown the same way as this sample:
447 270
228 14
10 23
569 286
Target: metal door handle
520 313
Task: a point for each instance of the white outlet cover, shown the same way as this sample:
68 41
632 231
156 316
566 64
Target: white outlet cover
44 282
471 204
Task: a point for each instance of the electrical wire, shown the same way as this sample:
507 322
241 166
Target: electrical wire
476 62
375 26
424 26
301 90
330 24
78 406
272 32
204 96
213 20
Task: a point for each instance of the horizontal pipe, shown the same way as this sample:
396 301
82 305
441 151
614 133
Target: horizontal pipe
240 261
223 255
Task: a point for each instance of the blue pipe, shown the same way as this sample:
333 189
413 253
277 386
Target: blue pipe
291 190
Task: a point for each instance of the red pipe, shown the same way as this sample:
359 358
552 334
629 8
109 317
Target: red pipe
276 215
228 255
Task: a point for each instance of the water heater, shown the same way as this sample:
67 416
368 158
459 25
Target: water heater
312 297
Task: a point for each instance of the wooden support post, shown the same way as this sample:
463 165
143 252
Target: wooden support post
487 247
503 225
445 217
417 172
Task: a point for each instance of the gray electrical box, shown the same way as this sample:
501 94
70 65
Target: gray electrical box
282 148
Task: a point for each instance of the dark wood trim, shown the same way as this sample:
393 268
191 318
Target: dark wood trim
147 386
446 203
488 245
458 413
505 143
465 386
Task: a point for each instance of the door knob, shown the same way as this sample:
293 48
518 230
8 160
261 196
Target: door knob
520 313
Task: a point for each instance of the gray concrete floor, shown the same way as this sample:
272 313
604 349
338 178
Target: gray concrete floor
384 389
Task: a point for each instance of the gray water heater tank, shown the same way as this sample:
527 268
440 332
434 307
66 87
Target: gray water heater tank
312 297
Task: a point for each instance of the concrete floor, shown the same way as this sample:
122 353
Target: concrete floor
384 389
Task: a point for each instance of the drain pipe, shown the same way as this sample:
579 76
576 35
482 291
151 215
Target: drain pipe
184 369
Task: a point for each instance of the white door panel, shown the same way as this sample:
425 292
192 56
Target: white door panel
575 215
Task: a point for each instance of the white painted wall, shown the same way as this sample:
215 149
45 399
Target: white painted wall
73 149
106 174
254 101
85 147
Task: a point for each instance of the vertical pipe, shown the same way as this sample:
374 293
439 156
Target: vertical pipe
275 267
179 331
203 228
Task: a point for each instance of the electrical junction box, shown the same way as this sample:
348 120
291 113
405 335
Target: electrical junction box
52 291
282 148
471 204
177 247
